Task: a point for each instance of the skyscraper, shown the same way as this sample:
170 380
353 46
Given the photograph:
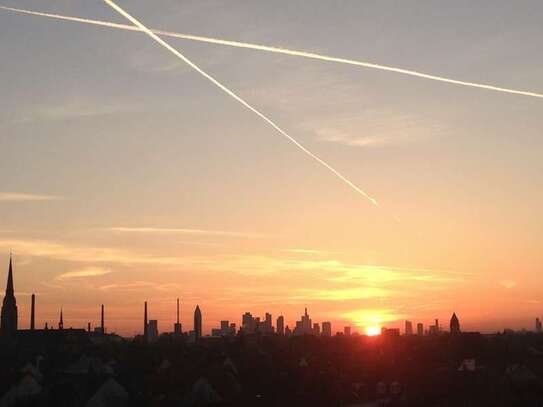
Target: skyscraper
8 323
420 329
408 328
327 329
280 325
538 325
177 325
152 330
347 331
455 324
197 323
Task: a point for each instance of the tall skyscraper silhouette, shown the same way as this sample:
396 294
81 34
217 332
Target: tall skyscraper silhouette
455 324
177 325
280 325
32 312
197 323
8 323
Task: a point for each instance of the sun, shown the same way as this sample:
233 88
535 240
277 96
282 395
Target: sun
373 331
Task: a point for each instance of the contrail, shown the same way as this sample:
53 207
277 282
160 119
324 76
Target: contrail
160 41
285 51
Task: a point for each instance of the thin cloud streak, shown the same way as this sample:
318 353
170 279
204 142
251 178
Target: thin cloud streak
83 273
285 51
203 232
24 197
229 92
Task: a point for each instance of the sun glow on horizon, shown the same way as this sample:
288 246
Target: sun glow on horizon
373 331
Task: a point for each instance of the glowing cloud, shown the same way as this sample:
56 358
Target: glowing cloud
203 232
83 273
21 197
285 51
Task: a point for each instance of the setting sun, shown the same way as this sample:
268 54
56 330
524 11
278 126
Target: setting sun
373 331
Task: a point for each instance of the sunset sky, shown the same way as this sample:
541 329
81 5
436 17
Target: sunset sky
125 176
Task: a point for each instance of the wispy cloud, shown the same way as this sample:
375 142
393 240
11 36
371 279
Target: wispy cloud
25 197
375 128
508 284
308 251
83 273
140 285
183 231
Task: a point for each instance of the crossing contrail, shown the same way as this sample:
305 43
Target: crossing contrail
285 51
179 55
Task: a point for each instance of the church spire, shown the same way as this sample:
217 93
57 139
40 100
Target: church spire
9 286
8 317
61 322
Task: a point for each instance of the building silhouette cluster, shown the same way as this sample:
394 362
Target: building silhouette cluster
249 323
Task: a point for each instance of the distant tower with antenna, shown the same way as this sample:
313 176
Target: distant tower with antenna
177 326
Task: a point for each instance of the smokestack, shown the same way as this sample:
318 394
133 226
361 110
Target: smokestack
88 327
32 312
145 322
178 310
102 327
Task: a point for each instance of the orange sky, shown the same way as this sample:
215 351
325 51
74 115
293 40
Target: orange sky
127 177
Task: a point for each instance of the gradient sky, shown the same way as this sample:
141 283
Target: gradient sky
125 176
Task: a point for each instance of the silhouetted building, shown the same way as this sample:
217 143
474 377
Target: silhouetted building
248 323
538 325
8 324
327 329
408 328
434 329
316 329
455 324
288 331
177 326
304 326
347 331
152 330
197 323
420 329
61 321
280 325
226 329
390 332
32 312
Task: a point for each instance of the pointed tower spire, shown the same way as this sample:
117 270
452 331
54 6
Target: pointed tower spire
9 286
8 318
61 322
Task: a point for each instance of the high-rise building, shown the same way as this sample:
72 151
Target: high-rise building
538 325
420 329
347 331
267 326
152 330
248 323
8 318
177 326
304 326
454 325
408 328
280 325
327 329
316 329
197 323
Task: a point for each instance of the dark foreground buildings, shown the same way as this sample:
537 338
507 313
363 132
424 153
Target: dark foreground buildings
76 367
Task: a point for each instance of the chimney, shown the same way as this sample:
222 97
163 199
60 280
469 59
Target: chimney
88 327
32 312
178 310
145 322
102 327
